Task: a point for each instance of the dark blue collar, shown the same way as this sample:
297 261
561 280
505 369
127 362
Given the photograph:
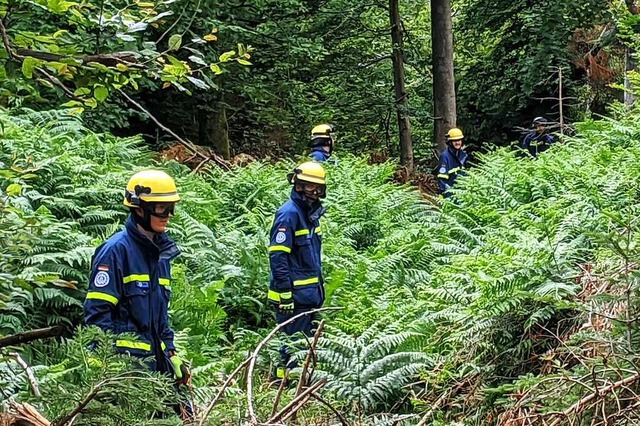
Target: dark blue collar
314 211
161 244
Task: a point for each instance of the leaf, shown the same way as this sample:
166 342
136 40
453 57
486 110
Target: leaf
100 93
175 41
82 91
144 4
216 69
166 85
197 60
198 83
241 50
71 104
125 37
210 37
122 67
14 189
159 16
91 102
226 56
28 65
244 62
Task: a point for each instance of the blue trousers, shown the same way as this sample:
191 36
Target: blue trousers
305 324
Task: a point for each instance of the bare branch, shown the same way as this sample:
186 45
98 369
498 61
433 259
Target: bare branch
32 378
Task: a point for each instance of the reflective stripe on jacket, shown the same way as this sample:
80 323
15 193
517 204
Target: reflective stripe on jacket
130 289
295 254
537 143
450 166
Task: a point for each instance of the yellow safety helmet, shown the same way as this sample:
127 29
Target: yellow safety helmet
309 172
323 131
151 186
454 134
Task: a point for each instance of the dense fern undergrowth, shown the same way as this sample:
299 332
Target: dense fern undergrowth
513 300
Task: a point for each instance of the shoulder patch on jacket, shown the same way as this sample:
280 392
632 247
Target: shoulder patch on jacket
101 279
282 229
281 237
103 268
442 170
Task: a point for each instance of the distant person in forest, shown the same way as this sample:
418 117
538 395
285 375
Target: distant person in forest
322 142
129 285
452 161
296 283
538 140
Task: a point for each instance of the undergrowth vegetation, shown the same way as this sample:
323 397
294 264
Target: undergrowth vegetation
472 310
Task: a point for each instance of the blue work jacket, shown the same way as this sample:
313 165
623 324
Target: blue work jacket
318 154
294 254
129 290
537 143
450 166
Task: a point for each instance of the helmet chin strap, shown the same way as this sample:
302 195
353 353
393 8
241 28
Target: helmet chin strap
144 221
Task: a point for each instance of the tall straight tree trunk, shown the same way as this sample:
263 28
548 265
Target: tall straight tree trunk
402 110
444 90
629 62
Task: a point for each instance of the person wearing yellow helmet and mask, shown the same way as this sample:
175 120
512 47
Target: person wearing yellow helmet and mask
452 161
322 142
130 281
296 282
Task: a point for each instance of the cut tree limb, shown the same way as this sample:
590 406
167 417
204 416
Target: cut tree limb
29 336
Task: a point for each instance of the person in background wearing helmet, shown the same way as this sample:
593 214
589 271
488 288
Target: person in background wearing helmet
452 161
322 142
296 283
538 140
130 281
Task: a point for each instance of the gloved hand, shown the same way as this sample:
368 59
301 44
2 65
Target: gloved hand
286 306
180 370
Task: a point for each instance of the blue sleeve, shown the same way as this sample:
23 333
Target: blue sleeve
280 245
550 139
526 142
444 180
317 156
105 288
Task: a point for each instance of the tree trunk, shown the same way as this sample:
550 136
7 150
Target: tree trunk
402 110
444 90
629 63
213 130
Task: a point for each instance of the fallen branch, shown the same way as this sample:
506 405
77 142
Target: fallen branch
190 146
311 354
221 391
276 401
327 404
32 378
297 402
27 415
602 392
254 357
29 336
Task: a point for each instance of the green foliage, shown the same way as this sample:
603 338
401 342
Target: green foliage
86 50
468 294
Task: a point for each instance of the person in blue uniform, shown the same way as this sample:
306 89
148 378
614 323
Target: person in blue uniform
296 284
130 281
538 140
322 142
452 161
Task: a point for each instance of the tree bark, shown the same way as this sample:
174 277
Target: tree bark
29 336
629 63
402 110
444 90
